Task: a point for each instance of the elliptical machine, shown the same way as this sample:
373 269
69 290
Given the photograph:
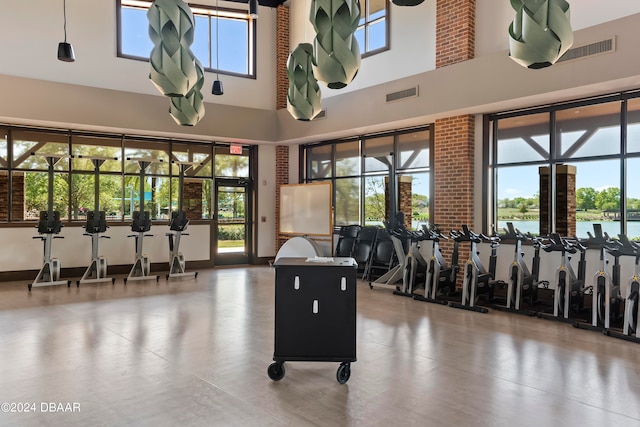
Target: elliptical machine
477 280
441 278
96 225
140 224
49 226
178 225
522 285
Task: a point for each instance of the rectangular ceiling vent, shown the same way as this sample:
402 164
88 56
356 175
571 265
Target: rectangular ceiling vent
402 94
321 115
597 48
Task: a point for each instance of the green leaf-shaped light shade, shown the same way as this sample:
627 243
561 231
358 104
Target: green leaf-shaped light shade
337 54
175 71
171 27
407 2
303 97
188 110
540 33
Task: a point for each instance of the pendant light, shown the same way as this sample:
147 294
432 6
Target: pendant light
407 2
337 54
253 9
217 84
65 50
540 33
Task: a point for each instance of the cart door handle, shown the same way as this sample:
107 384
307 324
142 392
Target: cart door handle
296 283
343 284
315 306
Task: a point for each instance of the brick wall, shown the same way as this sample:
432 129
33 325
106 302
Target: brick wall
192 198
282 177
282 54
455 31
454 136
453 176
404 199
18 197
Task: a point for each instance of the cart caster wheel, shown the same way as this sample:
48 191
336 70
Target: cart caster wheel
196 275
78 284
370 285
113 280
125 280
29 287
167 277
276 371
344 372
68 283
157 279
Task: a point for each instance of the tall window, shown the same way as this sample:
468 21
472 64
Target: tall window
373 29
571 165
361 169
236 31
24 156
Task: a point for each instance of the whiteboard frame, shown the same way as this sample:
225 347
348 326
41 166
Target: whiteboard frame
316 216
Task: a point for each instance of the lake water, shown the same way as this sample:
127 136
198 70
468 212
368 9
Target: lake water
611 227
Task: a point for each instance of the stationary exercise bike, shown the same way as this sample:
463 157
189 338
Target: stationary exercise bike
141 224
441 278
49 226
415 266
570 289
522 285
178 225
477 280
95 226
630 330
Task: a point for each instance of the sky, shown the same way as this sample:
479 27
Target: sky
523 181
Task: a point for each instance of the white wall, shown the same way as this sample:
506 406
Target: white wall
266 188
485 84
412 42
494 17
32 29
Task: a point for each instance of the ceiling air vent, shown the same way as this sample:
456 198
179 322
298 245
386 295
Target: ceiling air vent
597 48
321 115
402 94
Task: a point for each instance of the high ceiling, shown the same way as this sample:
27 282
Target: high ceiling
268 3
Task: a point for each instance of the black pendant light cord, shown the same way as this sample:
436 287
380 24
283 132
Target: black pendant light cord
217 41
64 14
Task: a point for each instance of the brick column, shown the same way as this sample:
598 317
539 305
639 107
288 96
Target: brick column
454 165
404 199
455 31
4 196
454 136
192 198
17 193
282 177
282 55
565 200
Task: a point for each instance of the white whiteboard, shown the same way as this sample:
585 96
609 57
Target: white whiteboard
306 209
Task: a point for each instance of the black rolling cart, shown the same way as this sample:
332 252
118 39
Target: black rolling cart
315 313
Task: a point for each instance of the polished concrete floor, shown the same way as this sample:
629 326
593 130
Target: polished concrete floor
195 353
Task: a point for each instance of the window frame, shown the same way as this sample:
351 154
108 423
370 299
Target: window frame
368 22
622 155
306 164
211 13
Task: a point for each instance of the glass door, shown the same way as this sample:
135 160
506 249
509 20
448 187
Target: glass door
232 222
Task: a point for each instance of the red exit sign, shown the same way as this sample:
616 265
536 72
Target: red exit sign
235 149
